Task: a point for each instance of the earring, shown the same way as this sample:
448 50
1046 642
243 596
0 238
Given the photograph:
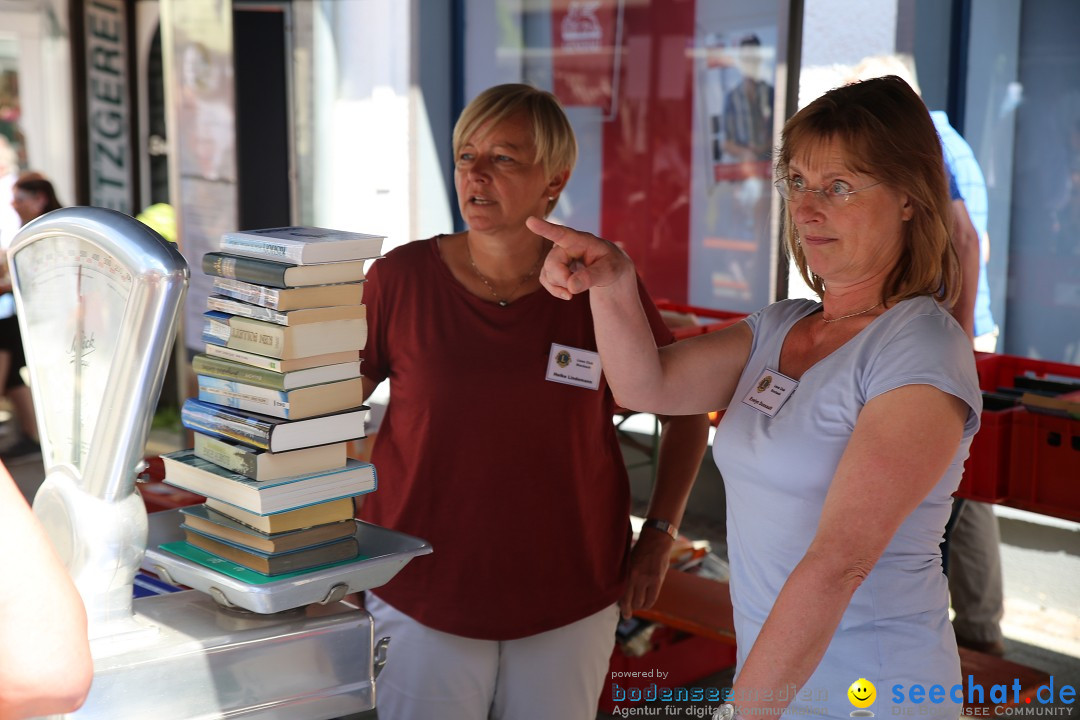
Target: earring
551 198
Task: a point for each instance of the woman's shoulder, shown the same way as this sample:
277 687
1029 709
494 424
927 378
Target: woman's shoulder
920 334
783 311
410 257
918 341
413 250
927 315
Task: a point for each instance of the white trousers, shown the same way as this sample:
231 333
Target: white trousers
431 674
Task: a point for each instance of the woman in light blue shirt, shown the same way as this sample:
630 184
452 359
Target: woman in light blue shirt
848 420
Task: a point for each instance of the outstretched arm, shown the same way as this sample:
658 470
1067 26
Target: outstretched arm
45 665
688 377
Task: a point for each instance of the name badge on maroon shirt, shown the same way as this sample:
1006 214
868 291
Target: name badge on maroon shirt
770 392
574 366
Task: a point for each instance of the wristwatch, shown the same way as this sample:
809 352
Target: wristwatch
662 525
727 711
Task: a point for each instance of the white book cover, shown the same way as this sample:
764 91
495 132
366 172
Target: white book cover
302 245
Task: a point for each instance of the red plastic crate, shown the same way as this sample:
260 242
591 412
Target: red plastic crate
1045 467
989 469
719 319
999 370
686 658
986 470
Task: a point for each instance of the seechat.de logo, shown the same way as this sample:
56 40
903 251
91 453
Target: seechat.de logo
1005 698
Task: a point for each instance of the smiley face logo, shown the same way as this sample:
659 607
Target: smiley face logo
862 694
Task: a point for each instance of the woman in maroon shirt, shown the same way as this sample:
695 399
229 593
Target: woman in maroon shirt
514 613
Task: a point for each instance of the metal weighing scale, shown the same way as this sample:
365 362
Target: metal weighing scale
99 296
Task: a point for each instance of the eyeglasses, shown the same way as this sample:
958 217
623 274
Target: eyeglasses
838 192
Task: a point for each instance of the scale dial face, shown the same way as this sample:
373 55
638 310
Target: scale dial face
73 300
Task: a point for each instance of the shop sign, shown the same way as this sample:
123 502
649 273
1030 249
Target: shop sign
108 108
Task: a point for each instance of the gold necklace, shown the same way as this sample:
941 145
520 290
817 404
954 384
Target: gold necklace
503 301
845 317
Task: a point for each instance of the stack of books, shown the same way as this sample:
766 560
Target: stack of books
280 397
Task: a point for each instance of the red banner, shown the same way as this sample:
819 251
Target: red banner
584 50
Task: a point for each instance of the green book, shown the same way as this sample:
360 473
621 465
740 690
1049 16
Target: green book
239 572
280 275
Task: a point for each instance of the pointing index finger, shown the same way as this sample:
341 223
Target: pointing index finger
558 234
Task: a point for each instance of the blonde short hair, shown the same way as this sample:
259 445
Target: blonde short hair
556 146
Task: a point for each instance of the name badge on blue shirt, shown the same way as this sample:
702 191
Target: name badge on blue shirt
770 392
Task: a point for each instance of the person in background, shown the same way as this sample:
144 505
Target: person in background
498 447
974 539
32 196
848 420
9 173
973 547
45 664
748 108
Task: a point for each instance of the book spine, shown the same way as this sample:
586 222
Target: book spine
216 330
271 250
248 292
251 270
231 457
243 397
242 356
244 334
218 423
255 312
221 368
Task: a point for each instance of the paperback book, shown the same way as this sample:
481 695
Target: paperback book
277 563
279 341
296 404
263 465
291 298
280 275
302 316
310 516
277 364
204 364
270 433
210 522
302 245
184 469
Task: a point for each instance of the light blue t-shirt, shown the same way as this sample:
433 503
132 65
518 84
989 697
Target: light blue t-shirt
968 184
778 470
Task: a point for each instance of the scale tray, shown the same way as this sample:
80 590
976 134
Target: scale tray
386 552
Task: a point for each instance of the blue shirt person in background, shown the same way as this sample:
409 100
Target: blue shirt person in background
971 187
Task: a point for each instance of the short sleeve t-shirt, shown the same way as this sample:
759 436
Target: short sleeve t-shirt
777 472
517 481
